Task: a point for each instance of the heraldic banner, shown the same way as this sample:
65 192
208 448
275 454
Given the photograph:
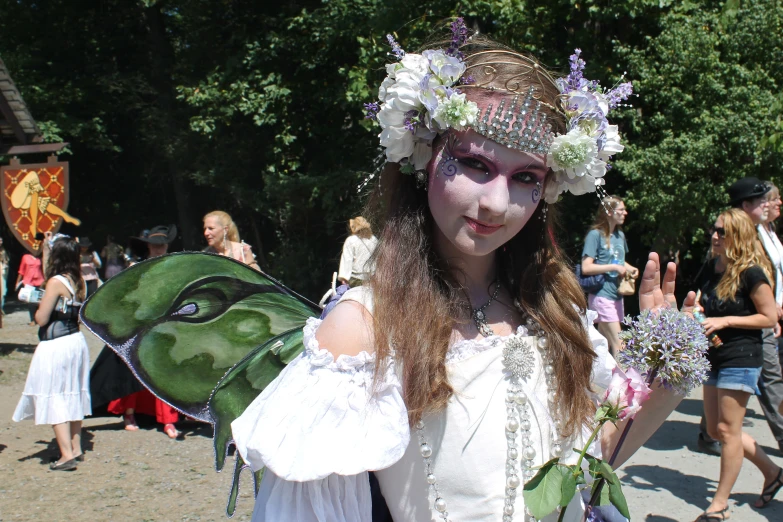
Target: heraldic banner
34 199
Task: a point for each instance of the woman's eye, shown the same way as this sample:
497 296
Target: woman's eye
473 163
525 177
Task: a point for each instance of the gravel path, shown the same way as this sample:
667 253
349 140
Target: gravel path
144 476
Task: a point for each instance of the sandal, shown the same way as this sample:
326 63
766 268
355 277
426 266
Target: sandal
130 422
171 431
713 516
770 491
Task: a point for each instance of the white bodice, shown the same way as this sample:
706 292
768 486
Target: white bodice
318 435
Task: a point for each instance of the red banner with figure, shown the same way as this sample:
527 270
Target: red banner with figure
35 199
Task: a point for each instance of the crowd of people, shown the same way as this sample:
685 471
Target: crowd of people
463 353
61 387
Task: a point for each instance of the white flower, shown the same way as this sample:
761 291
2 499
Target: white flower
573 153
388 82
447 68
398 142
612 143
456 112
422 154
416 63
390 117
403 95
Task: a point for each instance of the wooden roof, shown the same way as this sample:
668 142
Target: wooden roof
17 126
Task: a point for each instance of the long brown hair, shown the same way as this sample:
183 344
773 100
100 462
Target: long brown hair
742 251
64 260
418 304
602 217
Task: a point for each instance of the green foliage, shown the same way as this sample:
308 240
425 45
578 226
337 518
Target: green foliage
176 108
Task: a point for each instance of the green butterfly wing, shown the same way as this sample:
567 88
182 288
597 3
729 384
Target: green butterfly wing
203 332
240 386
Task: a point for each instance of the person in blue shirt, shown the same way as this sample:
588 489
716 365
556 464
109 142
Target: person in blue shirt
604 253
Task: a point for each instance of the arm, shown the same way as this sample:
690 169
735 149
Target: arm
347 330
662 401
96 259
767 315
590 267
54 289
22 271
631 269
249 257
346 263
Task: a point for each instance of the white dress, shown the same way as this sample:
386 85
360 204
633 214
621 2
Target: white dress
318 430
57 389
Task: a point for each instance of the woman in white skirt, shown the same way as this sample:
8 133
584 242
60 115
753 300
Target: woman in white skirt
57 390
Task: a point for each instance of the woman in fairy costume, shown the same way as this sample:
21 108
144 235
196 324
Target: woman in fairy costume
467 360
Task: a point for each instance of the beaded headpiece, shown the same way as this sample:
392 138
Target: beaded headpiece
422 97
529 131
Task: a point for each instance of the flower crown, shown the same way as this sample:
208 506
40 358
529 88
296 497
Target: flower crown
421 98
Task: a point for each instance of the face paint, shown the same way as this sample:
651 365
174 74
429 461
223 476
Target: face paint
536 194
448 163
486 196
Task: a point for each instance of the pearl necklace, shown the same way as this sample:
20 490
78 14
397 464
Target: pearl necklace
519 361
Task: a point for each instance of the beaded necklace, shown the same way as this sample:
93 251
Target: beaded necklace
519 362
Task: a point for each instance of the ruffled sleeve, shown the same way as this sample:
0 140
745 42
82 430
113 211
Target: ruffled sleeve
323 416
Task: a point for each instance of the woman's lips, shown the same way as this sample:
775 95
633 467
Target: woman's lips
482 228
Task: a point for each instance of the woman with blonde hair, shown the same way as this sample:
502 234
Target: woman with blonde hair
355 262
222 237
604 253
737 299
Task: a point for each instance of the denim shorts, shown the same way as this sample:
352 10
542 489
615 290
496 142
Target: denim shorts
740 379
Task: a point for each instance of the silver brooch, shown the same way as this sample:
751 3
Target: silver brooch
518 357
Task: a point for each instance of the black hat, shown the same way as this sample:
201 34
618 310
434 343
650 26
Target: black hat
747 188
84 242
160 235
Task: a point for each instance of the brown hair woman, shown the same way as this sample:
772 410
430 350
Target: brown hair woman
405 377
355 261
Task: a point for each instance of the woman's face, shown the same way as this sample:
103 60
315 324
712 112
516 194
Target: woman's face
481 193
718 237
774 205
619 214
213 231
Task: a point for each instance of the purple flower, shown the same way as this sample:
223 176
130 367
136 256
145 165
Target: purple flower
467 80
575 79
412 120
670 343
371 110
459 35
618 94
396 49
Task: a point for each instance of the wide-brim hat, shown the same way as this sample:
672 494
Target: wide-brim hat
84 242
160 235
747 188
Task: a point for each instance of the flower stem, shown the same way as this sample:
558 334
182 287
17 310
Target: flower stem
598 487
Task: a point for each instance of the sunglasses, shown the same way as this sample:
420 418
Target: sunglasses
720 230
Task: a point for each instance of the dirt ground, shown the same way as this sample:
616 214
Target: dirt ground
145 476
135 476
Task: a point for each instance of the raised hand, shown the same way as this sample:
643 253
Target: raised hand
653 295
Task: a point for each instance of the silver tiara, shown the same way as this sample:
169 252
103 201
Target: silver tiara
529 131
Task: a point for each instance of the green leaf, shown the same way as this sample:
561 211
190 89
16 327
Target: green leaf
603 498
543 492
617 498
568 486
608 473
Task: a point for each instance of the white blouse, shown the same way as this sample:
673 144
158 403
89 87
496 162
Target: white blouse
318 429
